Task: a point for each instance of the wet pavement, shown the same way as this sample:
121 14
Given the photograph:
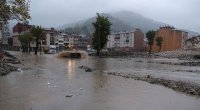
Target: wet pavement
50 83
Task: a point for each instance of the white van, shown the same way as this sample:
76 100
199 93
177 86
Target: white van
52 49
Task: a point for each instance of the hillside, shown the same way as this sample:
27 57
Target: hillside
137 21
121 21
85 26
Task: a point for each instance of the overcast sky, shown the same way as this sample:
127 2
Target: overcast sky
183 14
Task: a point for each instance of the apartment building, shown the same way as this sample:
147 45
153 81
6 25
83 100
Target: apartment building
129 41
18 30
49 35
49 38
173 39
83 42
78 41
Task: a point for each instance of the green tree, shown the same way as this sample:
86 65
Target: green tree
25 41
37 32
150 35
159 41
102 30
14 10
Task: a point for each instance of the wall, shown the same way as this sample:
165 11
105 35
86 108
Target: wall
138 40
172 39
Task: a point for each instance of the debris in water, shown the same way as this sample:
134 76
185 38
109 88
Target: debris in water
19 70
88 70
69 95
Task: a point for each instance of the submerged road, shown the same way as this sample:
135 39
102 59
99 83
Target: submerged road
50 83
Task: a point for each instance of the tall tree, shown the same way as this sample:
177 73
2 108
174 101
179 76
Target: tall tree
37 32
25 41
150 39
102 30
14 10
159 41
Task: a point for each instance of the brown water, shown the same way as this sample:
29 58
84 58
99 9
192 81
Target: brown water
46 84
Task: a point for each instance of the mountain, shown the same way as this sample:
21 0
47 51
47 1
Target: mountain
86 27
137 21
121 21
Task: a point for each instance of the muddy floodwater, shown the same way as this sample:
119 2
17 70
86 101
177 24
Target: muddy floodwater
50 83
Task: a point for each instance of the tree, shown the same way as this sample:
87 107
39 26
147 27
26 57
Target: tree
25 41
150 39
159 41
14 10
102 30
37 34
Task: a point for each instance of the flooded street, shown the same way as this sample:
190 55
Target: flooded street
51 83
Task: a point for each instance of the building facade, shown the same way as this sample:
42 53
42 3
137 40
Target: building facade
129 41
83 43
173 39
18 30
50 36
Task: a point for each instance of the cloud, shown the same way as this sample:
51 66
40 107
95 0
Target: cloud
53 13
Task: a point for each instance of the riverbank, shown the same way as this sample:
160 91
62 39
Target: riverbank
181 86
117 54
182 54
6 63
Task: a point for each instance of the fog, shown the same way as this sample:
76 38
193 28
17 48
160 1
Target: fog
183 14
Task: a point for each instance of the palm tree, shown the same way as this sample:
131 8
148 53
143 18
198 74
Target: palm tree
159 41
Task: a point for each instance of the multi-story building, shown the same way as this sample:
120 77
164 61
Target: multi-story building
83 42
18 30
172 39
62 41
74 41
133 40
48 38
50 35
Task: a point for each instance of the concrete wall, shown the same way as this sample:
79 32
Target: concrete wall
172 39
139 40
133 40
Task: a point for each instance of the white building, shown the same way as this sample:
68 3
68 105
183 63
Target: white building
129 40
62 41
121 39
